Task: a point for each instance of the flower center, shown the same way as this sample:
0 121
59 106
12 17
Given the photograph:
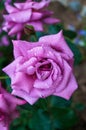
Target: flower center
45 67
43 70
1 115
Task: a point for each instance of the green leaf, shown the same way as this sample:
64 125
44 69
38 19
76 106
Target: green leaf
70 34
63 118
40 121
28 107
7 53
53 29
40 104
1 4
40 34
2 59
56 101
75 50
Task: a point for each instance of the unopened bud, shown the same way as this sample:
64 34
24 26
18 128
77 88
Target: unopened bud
29 30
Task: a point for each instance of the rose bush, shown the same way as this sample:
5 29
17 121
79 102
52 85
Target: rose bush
8 111
42 68
30 13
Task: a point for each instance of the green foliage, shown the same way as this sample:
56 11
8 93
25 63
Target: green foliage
47 114
6 58
75 50
40 34
56 101
53 29
40 121
21 123
70 34
63 118
1 5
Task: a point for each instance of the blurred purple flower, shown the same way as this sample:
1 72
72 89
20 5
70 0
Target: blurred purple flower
30 13
8 111
8 1
4 41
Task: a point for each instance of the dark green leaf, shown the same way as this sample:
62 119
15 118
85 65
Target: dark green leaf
63 118
70 34
59 102
75 50
1 4
40 121
40 34
53 29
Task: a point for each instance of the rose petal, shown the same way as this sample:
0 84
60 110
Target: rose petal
21 17
10 69
36 52
66 74
43 84
25 95
31 62
7 18
17 28
41 93
51 20
25 5
20 48
38 25
3 104
27 83
8 25
2 127
36 16
19 35
69 89
41 4
57 42
10 9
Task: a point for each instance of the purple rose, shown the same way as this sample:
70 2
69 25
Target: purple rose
30 13
42 68
8 110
